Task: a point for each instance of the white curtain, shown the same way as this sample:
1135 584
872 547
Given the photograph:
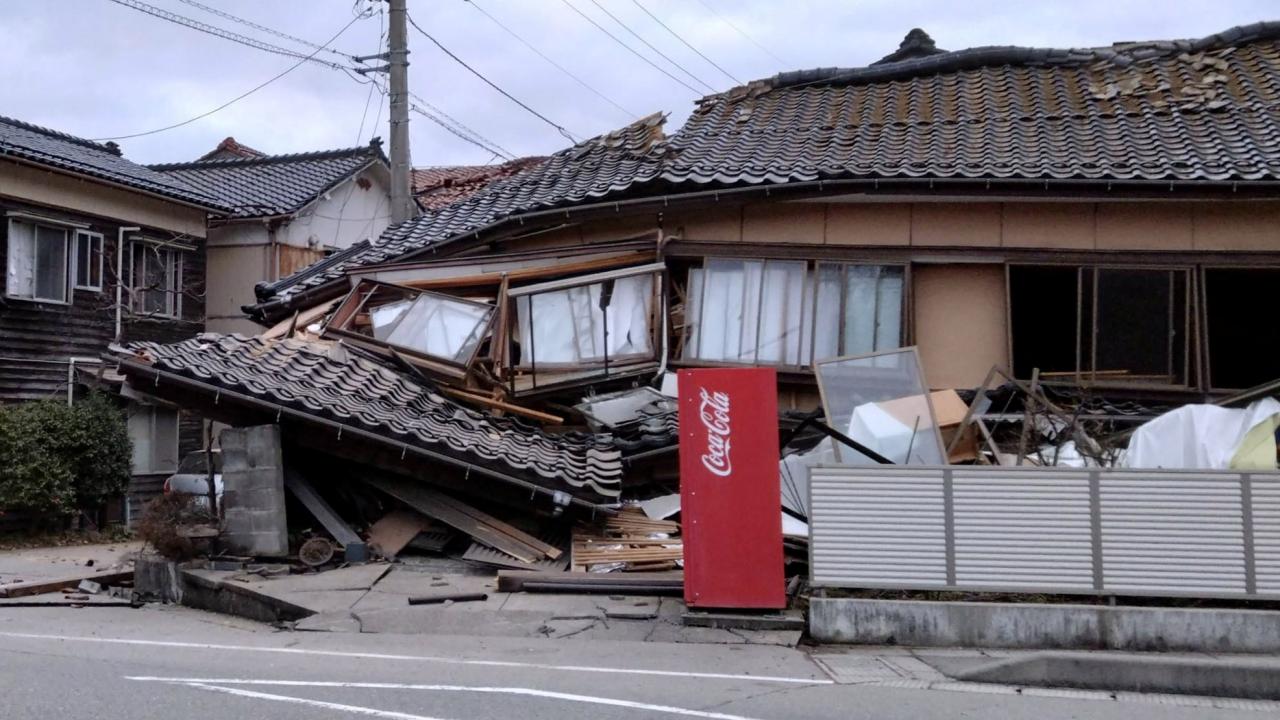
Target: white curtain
20 280
568 327
747 311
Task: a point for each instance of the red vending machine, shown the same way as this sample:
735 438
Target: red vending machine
730 507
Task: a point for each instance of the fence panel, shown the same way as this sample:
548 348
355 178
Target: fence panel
1047 530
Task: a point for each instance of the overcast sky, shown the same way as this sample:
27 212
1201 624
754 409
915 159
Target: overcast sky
97 69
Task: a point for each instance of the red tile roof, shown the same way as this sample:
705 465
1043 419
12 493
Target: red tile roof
436 187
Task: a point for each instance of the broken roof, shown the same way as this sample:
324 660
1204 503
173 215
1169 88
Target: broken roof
1191 110
327 384
229 149
267 185
35 144
1195 111
435 187
591 169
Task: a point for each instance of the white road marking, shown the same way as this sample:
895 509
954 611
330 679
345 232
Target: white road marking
314 703
531 692
424 658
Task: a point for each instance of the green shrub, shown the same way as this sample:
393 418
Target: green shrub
57 459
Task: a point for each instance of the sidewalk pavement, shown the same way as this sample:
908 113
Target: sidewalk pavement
374 598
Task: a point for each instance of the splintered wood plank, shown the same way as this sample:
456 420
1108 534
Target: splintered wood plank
395 530
37 587
551 551
295 483
428 502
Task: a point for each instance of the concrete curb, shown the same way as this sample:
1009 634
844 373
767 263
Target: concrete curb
1217 677
1042 626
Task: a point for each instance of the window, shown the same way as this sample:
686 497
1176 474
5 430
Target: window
38 262
155 280
1238 320
443 331
784 312
590 324
88 260
1103 324
154 433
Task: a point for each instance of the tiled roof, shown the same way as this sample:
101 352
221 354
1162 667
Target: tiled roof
103 161
1203 110
435 187
229 149
1198 111
272 184
328 383
590 169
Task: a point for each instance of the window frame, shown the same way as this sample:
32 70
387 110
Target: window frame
809 313
153 414
1204 332
340 325
1191 325
172 293
67 265
94 238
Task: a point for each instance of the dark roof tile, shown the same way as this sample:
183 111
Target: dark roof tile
103 161
266 185
329 383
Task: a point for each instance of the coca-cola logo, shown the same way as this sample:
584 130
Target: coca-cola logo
714 413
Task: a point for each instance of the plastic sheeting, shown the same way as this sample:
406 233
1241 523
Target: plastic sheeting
1208 437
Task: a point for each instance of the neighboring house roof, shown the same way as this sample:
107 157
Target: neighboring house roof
273 184
229 149
591 169
1195 111
328 384
435 187
61 151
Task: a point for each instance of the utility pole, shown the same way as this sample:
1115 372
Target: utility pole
398 58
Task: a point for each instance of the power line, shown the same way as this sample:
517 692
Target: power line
488 144
630 49
238 98
742 32
650 45
687 44
225 34
493 85
553 63
265 29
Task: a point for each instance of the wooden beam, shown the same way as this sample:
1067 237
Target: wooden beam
319 509
501 405
37 587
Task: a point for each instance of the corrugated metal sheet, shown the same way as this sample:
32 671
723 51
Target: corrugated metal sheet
875 529
1108 532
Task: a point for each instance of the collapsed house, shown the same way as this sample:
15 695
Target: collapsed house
1099 221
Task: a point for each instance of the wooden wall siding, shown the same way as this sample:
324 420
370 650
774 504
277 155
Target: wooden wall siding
37 339
293 259
960 322
1143 226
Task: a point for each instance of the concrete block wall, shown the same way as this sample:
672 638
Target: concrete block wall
253 498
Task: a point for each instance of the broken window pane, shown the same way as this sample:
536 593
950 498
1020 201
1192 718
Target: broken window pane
439 325
881 401
384 318
1135 325
569 326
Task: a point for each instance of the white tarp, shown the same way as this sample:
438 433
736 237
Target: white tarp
1208 437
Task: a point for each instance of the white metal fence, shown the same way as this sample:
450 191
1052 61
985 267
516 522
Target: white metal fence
1046 530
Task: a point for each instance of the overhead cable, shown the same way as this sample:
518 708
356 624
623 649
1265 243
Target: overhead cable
553 63
264 28
742 32
226 34
238 98
630 49
650 45
687 44
559 128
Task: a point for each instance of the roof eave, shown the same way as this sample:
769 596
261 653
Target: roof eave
211 209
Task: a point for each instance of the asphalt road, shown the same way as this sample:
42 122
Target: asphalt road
178 664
